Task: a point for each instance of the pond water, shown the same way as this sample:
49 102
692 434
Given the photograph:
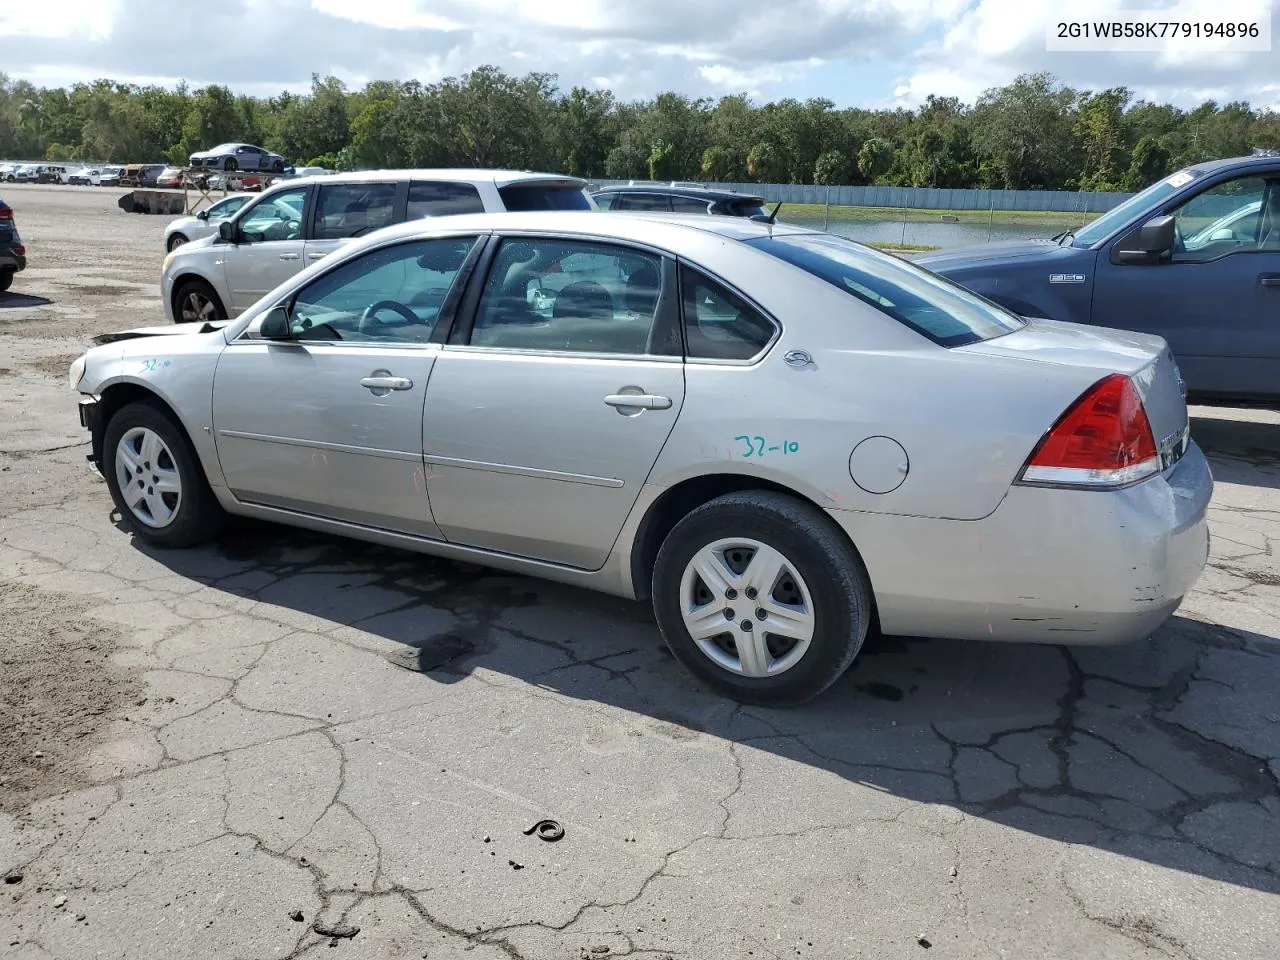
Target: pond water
935 233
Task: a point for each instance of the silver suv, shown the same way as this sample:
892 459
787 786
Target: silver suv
299 221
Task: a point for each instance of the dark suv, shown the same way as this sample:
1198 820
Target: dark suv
13 255
674 198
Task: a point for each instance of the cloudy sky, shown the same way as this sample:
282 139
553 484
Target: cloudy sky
855 52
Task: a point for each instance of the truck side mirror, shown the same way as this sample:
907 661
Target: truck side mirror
1148 242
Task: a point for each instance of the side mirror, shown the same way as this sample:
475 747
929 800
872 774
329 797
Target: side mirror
202 215
1145 244
275 325
227 231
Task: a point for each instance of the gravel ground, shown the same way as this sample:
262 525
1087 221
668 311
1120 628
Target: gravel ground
290 745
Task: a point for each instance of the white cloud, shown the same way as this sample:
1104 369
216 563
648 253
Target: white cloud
900 51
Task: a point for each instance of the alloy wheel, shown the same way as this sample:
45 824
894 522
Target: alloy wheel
198 308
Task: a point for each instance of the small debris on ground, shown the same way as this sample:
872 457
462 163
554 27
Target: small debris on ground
339 931
296 916
548 830
600 948
924 942
955 872
514 865
13 876
60 901
80 918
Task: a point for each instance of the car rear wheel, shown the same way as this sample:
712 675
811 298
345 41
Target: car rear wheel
229 164
6 279
762 597
278 166
195 302
156 480
176 241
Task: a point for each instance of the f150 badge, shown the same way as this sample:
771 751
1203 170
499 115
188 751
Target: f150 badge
1066 278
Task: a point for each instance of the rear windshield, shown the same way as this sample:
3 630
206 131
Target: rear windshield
934 307
535 196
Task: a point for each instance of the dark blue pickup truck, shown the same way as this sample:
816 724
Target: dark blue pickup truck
1194 258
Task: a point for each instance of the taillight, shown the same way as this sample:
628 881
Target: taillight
20 251
1103 440
6 213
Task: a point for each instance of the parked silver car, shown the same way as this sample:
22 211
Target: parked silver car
238 156
779 437
205 223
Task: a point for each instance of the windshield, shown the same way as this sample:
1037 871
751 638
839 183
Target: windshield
934 307
533 196
1116 217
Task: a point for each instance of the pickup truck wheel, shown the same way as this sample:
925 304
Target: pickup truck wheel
156 480
762 597
195 302
6 279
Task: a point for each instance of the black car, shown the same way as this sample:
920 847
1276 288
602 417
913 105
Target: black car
13 255
673 198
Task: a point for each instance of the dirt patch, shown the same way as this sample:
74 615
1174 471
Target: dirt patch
105 290
58 688
55 367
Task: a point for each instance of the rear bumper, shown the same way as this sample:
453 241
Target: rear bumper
1048 566
12 261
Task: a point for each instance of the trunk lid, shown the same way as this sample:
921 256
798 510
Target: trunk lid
1097 352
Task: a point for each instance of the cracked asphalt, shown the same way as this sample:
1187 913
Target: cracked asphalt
212 753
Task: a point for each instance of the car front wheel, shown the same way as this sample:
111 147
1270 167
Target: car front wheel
762 597
156 480
195 302
176 241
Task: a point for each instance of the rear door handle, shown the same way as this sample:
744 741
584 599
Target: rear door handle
387 383
646 401
314 256
1269 279
289 256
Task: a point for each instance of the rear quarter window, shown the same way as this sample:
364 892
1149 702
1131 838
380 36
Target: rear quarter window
536 196
936 308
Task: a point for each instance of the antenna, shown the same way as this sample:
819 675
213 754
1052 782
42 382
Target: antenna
773 217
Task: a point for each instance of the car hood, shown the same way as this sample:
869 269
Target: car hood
987 254
168 330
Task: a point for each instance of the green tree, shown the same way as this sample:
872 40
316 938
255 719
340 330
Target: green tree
833 169
875 158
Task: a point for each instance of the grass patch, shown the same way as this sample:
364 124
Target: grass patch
815 211
900 247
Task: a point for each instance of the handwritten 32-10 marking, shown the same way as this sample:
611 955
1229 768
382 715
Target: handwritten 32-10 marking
759 447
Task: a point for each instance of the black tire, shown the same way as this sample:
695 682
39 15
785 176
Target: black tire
188 287
199 516
822 555
229 164
278 166
176 241
6 279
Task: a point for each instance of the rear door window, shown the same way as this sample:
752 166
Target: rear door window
427 199
719 324
645 201
353 209
689 205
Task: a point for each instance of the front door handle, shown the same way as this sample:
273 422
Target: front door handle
1269 279
646 401
387 383
289 256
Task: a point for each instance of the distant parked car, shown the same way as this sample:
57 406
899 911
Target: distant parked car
83 177
297 222
13 255
169 177
185 229
23 173
676 198
109 177
238 156
1194 258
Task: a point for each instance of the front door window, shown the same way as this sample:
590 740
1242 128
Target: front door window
1222 220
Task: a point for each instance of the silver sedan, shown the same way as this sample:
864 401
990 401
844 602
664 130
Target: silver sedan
780 438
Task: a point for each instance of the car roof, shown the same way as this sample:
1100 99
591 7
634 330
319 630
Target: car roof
693 193
500 178
672 231
1244 163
